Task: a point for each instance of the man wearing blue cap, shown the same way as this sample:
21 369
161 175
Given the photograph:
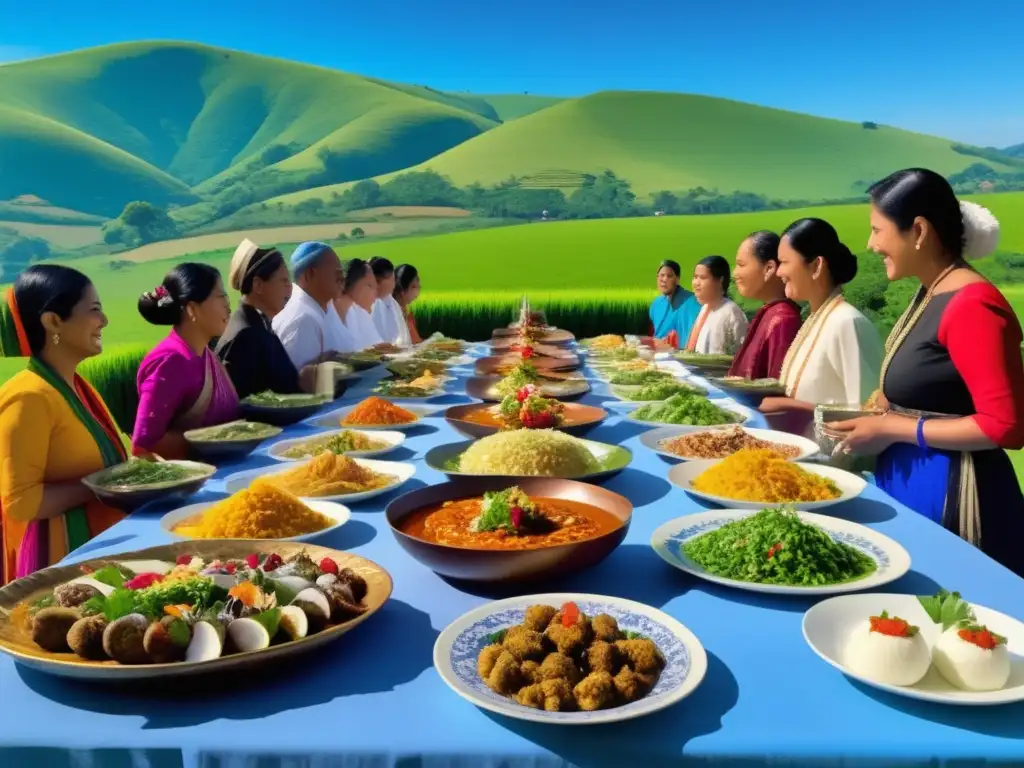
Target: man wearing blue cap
304 325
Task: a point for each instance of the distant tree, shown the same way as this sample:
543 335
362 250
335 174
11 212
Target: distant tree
358 232
363 194
310 205
139 223
20 253
342 237
606 196
420 188
867 125
666 201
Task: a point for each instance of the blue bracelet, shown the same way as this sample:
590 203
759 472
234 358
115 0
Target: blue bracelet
920 435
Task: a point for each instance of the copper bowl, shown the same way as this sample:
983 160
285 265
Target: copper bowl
482 388
490 366
489 565
583 419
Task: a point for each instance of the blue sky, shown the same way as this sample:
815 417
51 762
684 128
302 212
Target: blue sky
955 70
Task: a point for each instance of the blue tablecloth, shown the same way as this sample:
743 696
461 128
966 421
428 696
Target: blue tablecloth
372 698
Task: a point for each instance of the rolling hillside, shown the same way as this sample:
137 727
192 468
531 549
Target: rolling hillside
676 141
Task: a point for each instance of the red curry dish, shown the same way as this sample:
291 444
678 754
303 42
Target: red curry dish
508 520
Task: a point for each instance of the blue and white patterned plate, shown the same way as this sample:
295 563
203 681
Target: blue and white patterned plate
891 558
459 645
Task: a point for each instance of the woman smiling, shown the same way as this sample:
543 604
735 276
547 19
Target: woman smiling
54 427
721 325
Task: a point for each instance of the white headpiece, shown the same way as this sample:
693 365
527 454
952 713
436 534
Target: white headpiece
981 230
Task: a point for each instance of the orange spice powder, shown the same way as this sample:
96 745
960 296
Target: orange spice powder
376 410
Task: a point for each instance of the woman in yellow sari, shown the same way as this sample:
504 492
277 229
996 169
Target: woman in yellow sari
54 427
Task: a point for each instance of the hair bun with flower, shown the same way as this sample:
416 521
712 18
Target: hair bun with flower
981 230
161 295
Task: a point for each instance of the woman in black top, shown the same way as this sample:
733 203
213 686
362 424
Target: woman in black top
253 355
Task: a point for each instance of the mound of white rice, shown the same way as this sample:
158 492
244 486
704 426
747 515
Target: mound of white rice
529 452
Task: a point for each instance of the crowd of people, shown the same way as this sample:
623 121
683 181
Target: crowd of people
948 385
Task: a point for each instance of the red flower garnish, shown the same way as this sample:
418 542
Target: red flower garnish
328 566
272 562
230 567
183 560
516 515
143 580
523 393
527 353
253 561
570 614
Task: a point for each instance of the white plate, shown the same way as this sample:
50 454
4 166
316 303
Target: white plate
850 485
337 512
653 438
393 440
457 648
332 419
828 624
892 559
401 471
724 403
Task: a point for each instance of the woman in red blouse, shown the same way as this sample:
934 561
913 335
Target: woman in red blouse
407 290
776 323
953 377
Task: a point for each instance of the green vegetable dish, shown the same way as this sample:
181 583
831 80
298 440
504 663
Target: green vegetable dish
343 442
660 390
235 430
618 354
436 355
632 378
139 473
689 409
699 359
397 388
270 399
775 546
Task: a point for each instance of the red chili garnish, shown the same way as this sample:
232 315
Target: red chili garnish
230 567
527 353
776 548
253 561
980 637
570 614
328 566
272 562
183 560
143 580
893 626
516 514
523 393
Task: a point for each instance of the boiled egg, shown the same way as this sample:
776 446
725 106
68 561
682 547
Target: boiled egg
887 658
968 665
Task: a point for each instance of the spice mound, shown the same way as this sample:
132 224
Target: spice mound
720 443
375 411
261 511
759 475
329 474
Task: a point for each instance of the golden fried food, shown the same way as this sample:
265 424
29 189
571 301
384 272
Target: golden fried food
539 616
486 660
506 677
641 654
606 628
603 657
531 671
595 691
558 665
525 644
570 640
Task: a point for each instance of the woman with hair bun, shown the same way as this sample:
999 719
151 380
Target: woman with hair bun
387 312
407 290
721 325
952 381
54 427
182 383
836 356
777 322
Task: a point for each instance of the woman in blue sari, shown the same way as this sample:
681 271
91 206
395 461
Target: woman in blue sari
675 311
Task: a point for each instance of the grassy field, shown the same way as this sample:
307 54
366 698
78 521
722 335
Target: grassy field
60 235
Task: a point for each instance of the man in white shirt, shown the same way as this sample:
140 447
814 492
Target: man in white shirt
304 325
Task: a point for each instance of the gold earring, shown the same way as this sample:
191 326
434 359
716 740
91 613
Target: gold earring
917 246
191 317
56 339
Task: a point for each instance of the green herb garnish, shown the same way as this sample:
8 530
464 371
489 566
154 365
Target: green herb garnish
496 638
118 603
109 575
510 510
631 635
947 609
179 632
271 620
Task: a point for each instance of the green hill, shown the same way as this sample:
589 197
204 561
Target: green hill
1017 150
513 106
677 141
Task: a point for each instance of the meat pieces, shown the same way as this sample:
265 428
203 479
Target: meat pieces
558 665
538 617
86 637
525 644
595 691
603 657
506 678
73 595
606 628
633 685
50 628
531 672
570 640
642 655
549 695
486 660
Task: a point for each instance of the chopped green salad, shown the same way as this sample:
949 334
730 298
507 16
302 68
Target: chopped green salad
270 399
137 473
235 430
661 390
775 546
690 409
639 377
398 388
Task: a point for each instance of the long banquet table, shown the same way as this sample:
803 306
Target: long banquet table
373 699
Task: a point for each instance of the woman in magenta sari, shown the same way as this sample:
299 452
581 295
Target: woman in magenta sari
182 383
776 323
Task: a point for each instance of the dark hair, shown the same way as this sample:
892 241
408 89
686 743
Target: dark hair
186 283
812 238
355 270
766 245
405 275
917 192
267 261
673 265
47 288
719 269
381 267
